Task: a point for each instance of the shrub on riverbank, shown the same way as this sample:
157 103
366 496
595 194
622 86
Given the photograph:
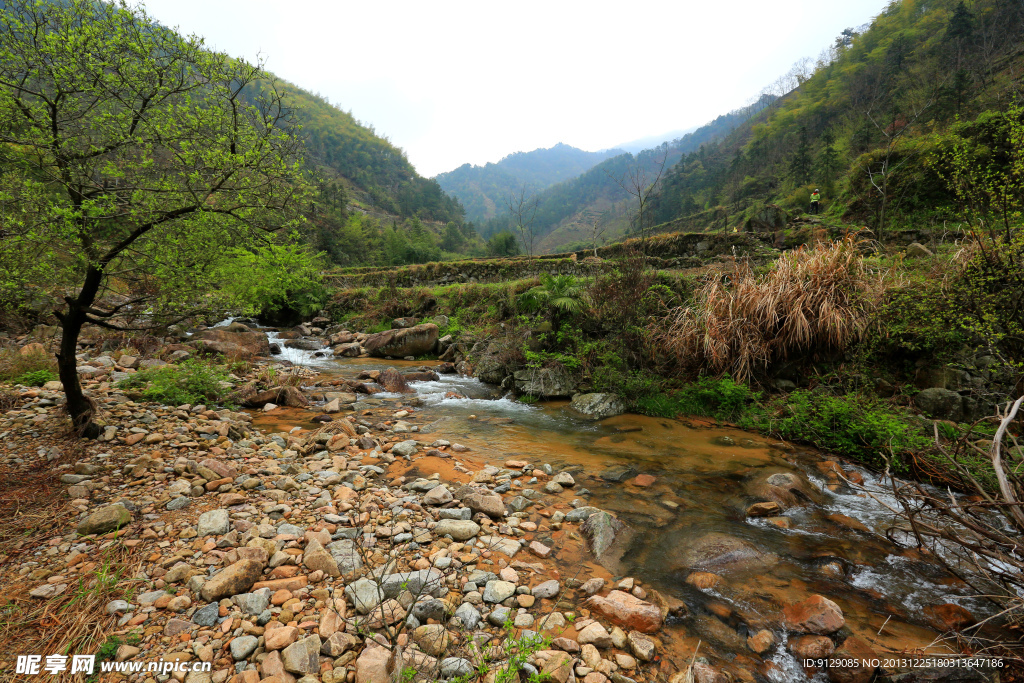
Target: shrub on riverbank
191 381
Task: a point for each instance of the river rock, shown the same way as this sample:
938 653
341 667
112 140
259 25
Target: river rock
316 558
278 396
598 406
372 665
214 523
488 503
460 530
627 611
232 580
817 615
394 381
364 594
600 529
238 343
243 646
439 495
412 341
811 647
857 656
303 657
432 639
544 382
105 519
723 554
787 489
595 634
499 591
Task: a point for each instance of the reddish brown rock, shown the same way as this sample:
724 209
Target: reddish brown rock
627 611
853 649
761 642
764 509
811 647
948 617
816 614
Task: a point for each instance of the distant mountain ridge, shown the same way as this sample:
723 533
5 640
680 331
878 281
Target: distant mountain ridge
565 209
482 189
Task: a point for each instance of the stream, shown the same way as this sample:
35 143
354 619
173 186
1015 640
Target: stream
829 539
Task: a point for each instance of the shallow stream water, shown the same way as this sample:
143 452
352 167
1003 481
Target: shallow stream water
829 540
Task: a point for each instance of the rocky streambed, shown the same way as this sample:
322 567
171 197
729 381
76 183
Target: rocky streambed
352 533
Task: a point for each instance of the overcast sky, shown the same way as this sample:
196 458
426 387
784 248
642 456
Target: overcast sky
457 82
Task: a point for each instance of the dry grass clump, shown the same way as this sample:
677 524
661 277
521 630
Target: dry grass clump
16 363
811 302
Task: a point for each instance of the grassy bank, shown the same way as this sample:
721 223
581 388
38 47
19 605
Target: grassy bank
829 345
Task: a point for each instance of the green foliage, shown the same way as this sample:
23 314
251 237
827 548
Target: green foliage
36 378
853 425
721 398
559 294
191 381
503 243
272 278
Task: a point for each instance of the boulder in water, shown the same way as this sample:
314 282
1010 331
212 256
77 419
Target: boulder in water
392 380
598 406
787 489
601 529
413 341
724 554
544 382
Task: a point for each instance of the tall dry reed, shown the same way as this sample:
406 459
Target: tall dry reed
812 301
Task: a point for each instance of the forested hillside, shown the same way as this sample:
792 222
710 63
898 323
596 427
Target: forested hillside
910 122
483 190
598 197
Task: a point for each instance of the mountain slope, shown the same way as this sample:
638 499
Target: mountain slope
877 126
567 210
483 189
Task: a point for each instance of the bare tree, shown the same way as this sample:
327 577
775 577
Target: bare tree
893 119
591 220
642 183
523 210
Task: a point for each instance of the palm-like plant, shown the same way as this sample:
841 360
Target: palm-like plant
563 294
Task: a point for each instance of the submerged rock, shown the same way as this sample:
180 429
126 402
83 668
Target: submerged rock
723 554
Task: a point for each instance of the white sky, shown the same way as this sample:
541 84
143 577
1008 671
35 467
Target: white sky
455 82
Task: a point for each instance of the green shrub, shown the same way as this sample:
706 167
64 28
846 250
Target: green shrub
36 378
853 425
721 398
192 381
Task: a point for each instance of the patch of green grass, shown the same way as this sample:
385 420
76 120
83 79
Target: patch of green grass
719 398
192 381
36 378
856 426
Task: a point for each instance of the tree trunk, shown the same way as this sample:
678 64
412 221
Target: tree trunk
80 408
